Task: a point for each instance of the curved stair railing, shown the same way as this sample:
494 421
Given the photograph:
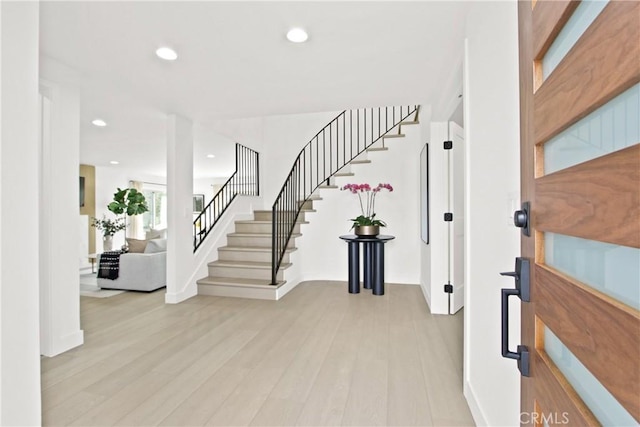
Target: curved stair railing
338 143
244 181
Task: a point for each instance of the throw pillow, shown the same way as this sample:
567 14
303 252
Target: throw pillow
156 234
155 246
136 246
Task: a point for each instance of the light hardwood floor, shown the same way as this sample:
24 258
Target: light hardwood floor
320 356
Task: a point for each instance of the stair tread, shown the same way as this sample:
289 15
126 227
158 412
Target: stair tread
301 210
411 122
328 186
378 149
259 221
246 264
344 174
394 135
251 249
358 162
258 234
233 281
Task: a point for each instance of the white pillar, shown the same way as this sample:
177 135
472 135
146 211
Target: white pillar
180 258
19 330
59 220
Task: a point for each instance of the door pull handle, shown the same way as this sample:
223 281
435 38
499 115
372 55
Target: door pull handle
522 279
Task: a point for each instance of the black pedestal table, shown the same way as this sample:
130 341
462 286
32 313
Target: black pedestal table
373 262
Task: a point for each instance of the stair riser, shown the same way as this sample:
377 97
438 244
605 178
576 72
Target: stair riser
266 216
252 256
307 205
237 292
243 273
259 228
263 242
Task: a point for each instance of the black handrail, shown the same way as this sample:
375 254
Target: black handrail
245 181
347 135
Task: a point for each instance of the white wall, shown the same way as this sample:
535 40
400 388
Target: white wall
283 138
491 383
324 255
59 218
20 402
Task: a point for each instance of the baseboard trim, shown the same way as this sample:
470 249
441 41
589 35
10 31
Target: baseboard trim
66 343
286 288
474 406
178 297
427 296
250 292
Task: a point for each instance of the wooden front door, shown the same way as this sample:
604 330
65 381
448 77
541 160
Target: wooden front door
580 170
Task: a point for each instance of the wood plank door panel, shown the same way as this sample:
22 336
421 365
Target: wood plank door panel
596 202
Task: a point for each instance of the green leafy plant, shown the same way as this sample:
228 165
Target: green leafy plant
109 227
367 220
128 201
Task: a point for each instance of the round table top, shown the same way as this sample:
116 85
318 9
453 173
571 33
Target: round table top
378 238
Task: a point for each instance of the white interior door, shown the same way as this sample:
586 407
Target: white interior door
456 227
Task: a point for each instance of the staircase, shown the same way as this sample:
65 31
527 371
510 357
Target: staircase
243 267
246 265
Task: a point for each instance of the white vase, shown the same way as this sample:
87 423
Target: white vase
107 243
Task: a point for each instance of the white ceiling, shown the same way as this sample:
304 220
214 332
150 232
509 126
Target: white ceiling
235 62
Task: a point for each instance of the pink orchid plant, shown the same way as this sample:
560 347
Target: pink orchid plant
367 196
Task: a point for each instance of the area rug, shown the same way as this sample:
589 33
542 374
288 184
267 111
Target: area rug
89 288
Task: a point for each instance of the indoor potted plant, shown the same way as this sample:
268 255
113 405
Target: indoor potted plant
128 201
366 224
109 227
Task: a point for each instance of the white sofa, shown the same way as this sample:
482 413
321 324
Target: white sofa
139 272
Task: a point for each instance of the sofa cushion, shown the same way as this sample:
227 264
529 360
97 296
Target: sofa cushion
136 246
156 234
155 246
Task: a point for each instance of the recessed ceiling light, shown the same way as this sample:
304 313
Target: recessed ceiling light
99 122
297 35
211 156
167 54
114 162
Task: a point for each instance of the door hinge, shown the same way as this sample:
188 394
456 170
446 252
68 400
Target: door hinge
448 216
448 145
448 288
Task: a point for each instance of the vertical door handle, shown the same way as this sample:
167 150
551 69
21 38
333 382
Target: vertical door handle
521 276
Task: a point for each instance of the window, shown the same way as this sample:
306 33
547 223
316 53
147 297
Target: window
156 216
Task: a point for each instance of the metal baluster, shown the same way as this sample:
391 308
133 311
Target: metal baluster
358 129
365 127
344 138
351 131
330 149
324 155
